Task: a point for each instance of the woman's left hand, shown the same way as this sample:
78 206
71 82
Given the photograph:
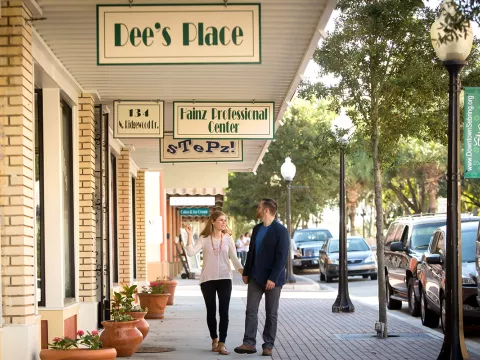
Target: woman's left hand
240 271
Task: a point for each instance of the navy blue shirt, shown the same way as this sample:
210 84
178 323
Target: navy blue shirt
258 243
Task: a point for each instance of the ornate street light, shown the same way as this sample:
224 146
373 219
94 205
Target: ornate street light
453 53
288 171
343 129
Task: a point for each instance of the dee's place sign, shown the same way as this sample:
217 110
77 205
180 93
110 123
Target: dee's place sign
180 33
223 120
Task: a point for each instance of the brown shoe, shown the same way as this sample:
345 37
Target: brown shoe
222 350
245 349
267 352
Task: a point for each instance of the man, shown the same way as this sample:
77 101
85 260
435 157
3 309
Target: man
264 272
240 244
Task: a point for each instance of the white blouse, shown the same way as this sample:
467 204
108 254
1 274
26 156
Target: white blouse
215 267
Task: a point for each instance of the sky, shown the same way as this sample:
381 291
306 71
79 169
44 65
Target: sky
312 68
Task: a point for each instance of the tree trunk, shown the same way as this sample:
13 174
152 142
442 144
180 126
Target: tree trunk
432 202
382 306
351 216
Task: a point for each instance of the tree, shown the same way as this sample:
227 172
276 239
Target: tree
388 79
305 137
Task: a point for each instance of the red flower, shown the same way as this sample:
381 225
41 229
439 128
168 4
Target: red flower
80 333
94 332
56 339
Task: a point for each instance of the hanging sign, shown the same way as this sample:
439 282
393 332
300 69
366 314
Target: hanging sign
192 150
471 134
178 34
138 119
223 120
195 212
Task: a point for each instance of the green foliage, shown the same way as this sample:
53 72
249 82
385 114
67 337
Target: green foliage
456 24
90 341
306 138
118 310
159 286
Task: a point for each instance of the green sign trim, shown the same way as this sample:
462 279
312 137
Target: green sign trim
187 63
471 134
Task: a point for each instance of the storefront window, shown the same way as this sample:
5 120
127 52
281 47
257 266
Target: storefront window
67 199
38 195
134 228
113 179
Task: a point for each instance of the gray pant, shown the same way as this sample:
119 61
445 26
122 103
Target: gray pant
272 301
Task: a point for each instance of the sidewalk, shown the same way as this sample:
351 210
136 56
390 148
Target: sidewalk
307 329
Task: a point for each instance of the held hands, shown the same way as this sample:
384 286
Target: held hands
269 285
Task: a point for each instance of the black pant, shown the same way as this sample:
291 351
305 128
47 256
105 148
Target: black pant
224 290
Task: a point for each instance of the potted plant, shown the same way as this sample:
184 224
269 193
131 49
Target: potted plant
121 332
171 286
154 298
133 309
90 348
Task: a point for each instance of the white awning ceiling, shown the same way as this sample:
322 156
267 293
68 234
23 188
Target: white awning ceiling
290 33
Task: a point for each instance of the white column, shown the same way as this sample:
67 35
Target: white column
54 246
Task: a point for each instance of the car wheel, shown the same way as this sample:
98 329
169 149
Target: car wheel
329 279
374 277
392 304
429 318
365 276
443 313
413 303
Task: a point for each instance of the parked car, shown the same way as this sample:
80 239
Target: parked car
406 241
431 277
360 259
306 244
478 269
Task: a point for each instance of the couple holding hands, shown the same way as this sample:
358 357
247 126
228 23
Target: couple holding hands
264 272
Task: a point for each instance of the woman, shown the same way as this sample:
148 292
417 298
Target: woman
216 278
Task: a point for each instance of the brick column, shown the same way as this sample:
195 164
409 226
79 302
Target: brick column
140 217
17 166
125 247
87 229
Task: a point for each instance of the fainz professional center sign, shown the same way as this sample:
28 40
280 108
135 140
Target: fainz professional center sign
223 120
137 119
178 34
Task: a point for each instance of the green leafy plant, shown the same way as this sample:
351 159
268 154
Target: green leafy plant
90 340
118 309
128 299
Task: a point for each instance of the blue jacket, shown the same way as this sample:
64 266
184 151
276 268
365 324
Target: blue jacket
272 255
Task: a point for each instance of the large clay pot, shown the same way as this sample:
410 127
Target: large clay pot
156 304
79 354
171 285
122 335
142 324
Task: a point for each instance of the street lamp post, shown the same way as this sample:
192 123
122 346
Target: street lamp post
363 214
288 171
453 54
343 129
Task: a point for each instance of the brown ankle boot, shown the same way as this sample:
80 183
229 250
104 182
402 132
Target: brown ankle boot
222 350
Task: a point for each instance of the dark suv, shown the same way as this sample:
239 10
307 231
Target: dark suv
406 241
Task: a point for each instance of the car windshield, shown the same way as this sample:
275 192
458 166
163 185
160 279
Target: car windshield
357 244
422 233
469 245
313 235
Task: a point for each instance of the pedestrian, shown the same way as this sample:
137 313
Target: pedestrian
240 244
264 273
246 241
218 249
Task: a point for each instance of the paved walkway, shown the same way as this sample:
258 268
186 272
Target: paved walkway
307 329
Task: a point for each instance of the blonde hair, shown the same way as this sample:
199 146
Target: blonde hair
208 230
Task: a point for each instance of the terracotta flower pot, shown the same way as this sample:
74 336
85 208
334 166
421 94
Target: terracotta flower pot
171 285
142 324
122 335
156 304
78 354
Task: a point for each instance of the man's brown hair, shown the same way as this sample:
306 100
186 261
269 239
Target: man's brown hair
270 204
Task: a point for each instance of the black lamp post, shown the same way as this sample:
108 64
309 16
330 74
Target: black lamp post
453 54
288 171
363 214
343 303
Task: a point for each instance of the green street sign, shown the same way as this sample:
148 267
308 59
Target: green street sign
471 133
195 212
